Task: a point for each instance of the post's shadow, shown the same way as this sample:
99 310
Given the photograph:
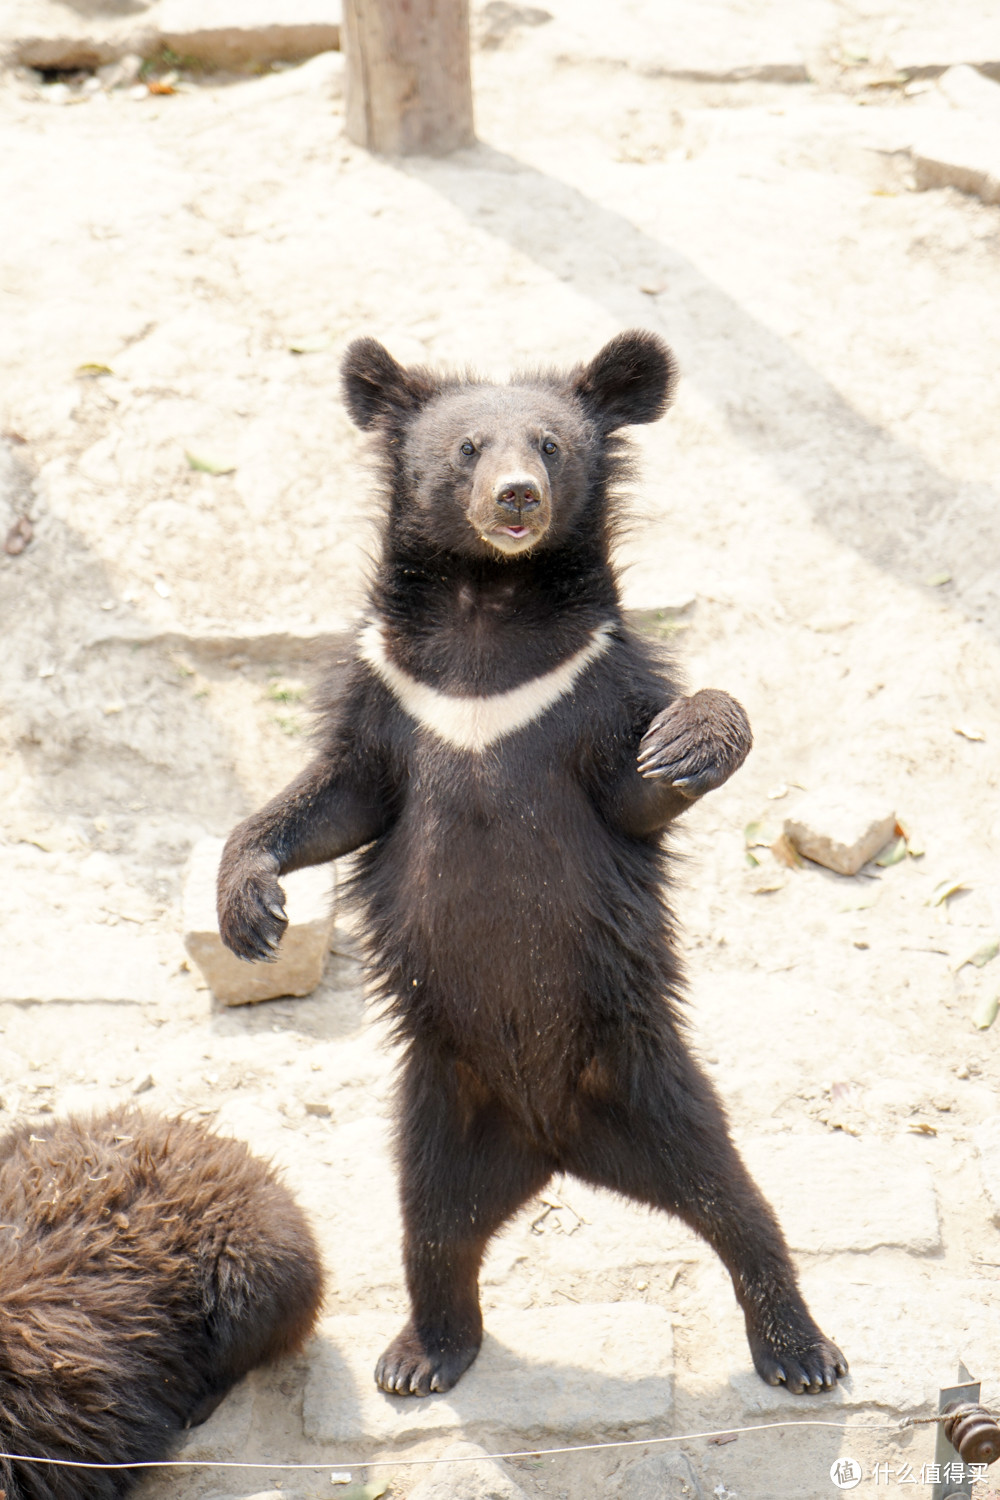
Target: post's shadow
873 491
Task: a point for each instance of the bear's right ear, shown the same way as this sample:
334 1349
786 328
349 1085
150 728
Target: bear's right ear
630 380
378 389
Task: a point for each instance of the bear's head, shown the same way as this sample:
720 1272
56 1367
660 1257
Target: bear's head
499 470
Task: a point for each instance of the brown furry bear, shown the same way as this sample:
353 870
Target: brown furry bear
146 1266
507 755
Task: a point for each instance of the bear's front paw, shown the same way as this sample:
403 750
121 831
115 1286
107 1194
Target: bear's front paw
696 743
252 915
417 1363
802 1359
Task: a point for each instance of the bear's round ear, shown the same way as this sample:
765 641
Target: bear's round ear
631 380
376 388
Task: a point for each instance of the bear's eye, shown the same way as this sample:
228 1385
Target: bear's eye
468 448
550 446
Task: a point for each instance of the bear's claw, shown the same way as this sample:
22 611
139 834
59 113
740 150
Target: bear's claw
806 1364
252 917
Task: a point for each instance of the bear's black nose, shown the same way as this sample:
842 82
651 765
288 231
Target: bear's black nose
517 495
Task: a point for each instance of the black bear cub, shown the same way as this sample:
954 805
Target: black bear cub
506 756
146 1266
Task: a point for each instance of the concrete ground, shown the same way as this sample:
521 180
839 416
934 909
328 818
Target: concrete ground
803 199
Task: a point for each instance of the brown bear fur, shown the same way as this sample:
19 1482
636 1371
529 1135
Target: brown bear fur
146 1266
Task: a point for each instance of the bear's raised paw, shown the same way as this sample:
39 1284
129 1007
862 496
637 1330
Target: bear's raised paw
696 743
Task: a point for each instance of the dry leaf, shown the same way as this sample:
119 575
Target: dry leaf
892 853
914 847
159 86
969 732
862 901
370 1491
786 853
982 956
985 1014
91 371
208 465
943 891
310 344
920 1127
937 579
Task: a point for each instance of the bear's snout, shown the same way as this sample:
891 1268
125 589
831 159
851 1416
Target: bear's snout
511 506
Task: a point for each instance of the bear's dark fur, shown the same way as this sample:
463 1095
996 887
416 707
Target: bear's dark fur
506 755
145 1267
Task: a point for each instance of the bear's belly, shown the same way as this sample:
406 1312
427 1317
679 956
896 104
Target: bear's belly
510 922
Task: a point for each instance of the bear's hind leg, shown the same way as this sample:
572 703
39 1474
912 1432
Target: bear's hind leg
462 1174
665 1142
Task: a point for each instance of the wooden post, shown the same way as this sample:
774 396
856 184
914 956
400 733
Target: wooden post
409 84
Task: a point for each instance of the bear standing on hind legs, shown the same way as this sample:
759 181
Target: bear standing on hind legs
506 757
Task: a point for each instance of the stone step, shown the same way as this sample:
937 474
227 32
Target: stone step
835 1193
581 1372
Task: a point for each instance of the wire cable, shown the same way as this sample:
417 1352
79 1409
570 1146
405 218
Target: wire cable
474 1458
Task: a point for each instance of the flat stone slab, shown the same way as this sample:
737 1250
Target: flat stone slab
84 961
901 1342
298 968
834 1193
215 33
987 1139
356 1167
841 831
576 1371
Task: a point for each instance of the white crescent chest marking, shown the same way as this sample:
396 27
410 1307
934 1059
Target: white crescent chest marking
476 723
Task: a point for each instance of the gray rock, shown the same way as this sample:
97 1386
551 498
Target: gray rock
958 151
657 1476
452 1480
987 1139
299 966
835 1193
840 831
577 1371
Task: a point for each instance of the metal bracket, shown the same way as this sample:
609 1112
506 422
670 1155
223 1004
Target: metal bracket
944 1453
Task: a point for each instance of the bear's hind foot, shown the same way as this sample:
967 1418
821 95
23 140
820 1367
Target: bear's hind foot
798 1356
418 1362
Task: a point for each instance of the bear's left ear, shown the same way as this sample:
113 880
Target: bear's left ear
377 389
631 380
